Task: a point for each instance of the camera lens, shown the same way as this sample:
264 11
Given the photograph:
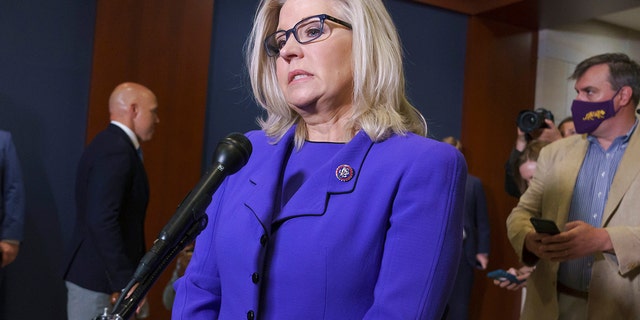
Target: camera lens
529 120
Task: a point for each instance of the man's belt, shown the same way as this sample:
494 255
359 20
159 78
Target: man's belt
572 292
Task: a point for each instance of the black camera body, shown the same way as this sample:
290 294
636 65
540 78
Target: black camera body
530 120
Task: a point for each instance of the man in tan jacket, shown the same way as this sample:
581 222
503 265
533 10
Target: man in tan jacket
589 185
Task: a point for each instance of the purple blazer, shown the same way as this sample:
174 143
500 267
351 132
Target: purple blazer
383 245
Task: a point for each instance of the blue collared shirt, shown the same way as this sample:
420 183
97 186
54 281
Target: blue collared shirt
589 199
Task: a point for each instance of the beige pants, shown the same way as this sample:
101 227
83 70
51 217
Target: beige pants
572 308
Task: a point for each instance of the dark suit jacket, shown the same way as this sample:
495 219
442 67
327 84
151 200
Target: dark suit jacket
476 228
112 193
476 220
11 191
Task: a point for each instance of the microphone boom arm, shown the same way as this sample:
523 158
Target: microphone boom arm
126 305
231 154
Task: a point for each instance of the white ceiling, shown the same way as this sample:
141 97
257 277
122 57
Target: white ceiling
628 18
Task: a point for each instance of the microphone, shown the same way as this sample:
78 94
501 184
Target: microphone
231 154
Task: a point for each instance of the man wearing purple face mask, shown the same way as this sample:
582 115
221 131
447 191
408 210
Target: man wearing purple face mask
589 185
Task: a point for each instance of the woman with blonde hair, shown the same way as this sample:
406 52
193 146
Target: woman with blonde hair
344 210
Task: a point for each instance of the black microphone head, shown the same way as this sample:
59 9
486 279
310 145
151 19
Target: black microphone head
233 152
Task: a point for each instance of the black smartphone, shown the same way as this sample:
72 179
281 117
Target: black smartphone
544 226
502 275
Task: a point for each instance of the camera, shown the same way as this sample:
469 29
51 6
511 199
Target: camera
530 120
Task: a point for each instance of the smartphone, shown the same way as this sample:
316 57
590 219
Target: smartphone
544 226
502 275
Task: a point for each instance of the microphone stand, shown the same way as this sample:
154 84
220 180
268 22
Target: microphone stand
232 153
128 301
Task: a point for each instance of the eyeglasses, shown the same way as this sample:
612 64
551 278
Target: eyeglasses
305 31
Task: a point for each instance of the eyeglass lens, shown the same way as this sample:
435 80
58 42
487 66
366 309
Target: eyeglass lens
305 31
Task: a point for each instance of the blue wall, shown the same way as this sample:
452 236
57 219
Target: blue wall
230 105
434 42
45 64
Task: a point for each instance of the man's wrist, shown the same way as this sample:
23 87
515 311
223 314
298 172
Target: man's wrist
605 241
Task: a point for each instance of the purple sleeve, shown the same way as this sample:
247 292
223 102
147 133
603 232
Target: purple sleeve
424 240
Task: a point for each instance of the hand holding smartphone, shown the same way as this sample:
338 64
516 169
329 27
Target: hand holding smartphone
502 275
544 226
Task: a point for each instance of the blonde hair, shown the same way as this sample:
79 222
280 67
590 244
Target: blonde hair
380 106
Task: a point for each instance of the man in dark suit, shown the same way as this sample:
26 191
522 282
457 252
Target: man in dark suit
475 246
112 193
11 201
12 197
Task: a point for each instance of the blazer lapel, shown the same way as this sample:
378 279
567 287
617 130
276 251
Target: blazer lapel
625 175
125 139
312 197
265 178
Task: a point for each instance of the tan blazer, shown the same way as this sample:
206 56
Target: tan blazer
615 281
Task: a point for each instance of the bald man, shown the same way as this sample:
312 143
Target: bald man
112 193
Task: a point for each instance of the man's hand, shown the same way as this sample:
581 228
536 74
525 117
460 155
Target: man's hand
551 133
483 260
114 297
579 239
533 243
521 274
9 251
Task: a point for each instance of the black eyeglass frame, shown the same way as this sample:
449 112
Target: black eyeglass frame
273 51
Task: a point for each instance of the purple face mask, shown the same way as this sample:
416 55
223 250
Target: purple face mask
587 116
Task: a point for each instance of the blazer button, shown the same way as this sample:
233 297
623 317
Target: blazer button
250 315
263 240
255 277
